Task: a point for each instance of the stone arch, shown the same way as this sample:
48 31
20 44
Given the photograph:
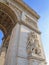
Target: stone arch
5 9
8 20
8 10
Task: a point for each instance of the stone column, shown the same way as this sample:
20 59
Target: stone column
13 46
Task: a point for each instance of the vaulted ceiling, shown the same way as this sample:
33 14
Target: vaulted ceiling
6 24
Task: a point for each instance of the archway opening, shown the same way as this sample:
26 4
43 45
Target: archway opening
1 37
6 26
8 20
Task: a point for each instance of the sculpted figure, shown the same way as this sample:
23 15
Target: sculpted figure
33 44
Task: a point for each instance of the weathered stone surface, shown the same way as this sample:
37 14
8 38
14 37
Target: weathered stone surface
18 22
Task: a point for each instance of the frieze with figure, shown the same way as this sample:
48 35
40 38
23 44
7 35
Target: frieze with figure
33 46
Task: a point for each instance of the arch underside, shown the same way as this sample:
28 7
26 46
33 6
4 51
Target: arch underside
7 21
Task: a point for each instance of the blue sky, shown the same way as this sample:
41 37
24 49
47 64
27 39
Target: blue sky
1 36
42 8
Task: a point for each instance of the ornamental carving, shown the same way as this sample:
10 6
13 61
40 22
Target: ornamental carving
33 46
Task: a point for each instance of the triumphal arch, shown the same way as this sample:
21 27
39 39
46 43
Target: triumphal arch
22 39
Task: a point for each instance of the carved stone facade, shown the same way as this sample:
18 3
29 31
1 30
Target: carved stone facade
21 43
33 46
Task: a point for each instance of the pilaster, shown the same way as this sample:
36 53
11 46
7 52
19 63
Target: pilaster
11 57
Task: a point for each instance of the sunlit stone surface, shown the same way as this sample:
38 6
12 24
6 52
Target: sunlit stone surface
22 38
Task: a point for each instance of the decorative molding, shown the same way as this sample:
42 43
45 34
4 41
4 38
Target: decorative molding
27 8
18 12
31 22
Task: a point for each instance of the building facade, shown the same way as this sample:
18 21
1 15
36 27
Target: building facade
22 39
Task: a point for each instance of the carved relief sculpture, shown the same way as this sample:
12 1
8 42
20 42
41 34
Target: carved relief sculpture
16 20
33 46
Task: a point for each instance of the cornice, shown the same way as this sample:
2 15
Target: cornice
27 8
